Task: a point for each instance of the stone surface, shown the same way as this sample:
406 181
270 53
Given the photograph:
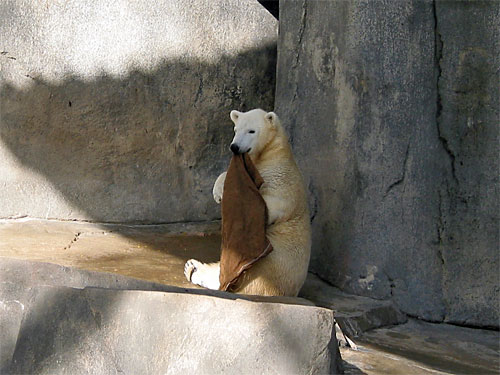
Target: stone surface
120 112
371 94
151 252
354 314
155 253
414 348
468 126
424 348
67 330
19 277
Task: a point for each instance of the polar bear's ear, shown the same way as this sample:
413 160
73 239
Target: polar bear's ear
234 116
272 118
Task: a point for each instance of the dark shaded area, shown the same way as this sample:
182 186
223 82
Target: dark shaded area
273 6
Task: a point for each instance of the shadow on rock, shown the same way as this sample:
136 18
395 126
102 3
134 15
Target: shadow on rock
143 148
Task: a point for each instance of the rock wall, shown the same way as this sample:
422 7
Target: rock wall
468 41
392 109
119 112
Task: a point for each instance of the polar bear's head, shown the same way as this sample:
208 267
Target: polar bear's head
253 130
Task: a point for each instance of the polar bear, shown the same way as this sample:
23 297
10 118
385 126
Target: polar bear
284 270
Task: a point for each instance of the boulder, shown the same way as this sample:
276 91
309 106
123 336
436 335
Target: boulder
53 329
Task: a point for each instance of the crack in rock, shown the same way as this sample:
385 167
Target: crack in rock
77 236
400 180
299 45
438 56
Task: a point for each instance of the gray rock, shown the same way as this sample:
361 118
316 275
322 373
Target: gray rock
357 89
18 279
56 314
102 331
425 348
151 252
468 129
120 113
13 301
354 314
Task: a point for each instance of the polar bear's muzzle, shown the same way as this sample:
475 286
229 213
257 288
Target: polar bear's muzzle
238 150
235 148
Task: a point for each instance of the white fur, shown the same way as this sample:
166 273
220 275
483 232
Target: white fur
219 187
203 274
284 270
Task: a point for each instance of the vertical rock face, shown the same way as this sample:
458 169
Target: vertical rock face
120 112
468 38
367 91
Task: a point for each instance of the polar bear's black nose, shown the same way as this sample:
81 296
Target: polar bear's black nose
234 148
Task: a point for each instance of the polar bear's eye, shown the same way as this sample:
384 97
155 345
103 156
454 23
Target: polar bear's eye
251 131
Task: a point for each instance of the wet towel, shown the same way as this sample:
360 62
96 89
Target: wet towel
244 217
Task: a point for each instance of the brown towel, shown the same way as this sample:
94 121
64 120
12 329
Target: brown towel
244 217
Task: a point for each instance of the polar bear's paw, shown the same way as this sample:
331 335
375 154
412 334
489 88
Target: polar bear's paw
219 187
205 275
190 268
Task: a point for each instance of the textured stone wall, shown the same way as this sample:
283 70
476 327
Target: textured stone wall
119 111
468 42
392 108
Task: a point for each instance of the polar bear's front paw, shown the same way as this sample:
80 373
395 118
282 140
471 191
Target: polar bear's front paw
217 195
219 187
190 268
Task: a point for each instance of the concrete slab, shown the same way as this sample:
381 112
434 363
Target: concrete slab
103 331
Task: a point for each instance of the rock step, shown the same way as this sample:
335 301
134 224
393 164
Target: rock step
355 314
52 329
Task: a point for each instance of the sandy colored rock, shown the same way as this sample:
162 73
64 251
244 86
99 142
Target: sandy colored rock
155 253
